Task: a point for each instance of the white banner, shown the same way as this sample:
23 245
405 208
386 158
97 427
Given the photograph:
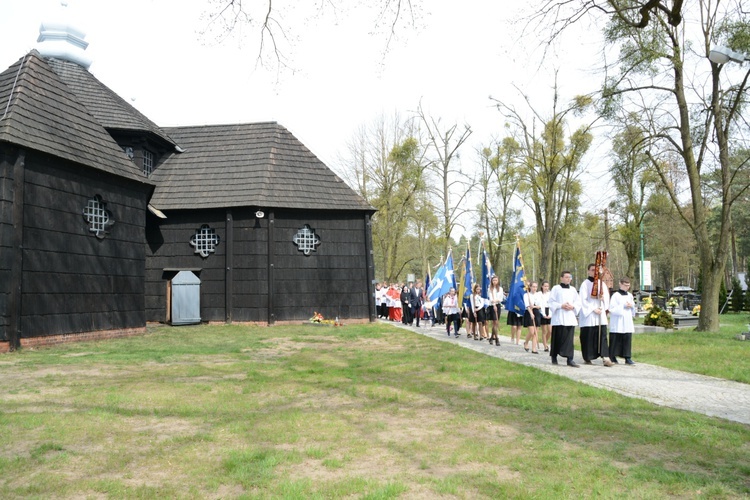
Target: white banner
646 273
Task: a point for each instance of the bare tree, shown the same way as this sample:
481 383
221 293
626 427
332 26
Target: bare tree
554 16
265 20
453 185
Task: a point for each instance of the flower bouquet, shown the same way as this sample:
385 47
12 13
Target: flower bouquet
657 316
318 319
648 303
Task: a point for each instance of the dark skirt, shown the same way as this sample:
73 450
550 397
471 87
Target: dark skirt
546 321
514 319
493 313
620 344
481 316
406 317
527 318
594 343
562 341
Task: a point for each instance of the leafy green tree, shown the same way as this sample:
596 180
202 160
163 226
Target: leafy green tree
499 179
688 107
551 164
633 179
395 202
386 165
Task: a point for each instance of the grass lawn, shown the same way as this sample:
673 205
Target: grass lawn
362 411
715 354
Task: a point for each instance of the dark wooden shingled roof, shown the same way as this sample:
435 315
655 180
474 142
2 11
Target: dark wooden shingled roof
255 164
40 112
109 109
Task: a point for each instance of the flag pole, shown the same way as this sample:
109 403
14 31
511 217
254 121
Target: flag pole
525 281
520 257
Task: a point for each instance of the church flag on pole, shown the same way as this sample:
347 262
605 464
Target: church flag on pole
517 284
443 280
487 273
466 283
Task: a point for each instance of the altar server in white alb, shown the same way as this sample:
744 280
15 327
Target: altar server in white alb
564 305
593 319
622 310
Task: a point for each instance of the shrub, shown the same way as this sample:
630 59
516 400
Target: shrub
657 316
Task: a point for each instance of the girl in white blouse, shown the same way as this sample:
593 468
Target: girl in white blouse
532 317
546 322
452 312
496 296
477 307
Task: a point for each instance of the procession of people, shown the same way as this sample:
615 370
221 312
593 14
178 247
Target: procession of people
550 316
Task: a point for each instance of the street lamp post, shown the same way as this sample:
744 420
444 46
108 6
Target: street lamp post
640 282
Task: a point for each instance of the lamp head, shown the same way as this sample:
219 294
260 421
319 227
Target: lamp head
722 55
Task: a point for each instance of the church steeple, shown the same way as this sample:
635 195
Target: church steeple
61 39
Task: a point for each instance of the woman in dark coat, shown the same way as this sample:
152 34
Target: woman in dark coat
406 306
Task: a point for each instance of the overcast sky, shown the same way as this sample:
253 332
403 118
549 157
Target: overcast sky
164 56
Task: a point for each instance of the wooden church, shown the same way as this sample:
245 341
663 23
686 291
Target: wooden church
101 211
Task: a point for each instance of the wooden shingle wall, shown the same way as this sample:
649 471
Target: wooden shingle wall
250 277
6 237
72 280
332 280
168 247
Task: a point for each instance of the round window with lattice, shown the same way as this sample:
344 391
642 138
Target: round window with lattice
306 240
97 216
204 241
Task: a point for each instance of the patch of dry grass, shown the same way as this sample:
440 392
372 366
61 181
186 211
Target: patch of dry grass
361 411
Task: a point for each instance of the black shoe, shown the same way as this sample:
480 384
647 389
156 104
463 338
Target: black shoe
630 362
614 360
588 362
534 352
554 361
573 364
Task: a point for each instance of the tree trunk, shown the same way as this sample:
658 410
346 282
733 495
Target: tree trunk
708 320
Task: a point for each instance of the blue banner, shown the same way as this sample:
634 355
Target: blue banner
468 280
517 285
487 274
442 281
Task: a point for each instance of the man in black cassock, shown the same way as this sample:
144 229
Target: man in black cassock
564 305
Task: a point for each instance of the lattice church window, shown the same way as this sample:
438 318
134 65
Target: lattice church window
306 240
205 241
97 216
